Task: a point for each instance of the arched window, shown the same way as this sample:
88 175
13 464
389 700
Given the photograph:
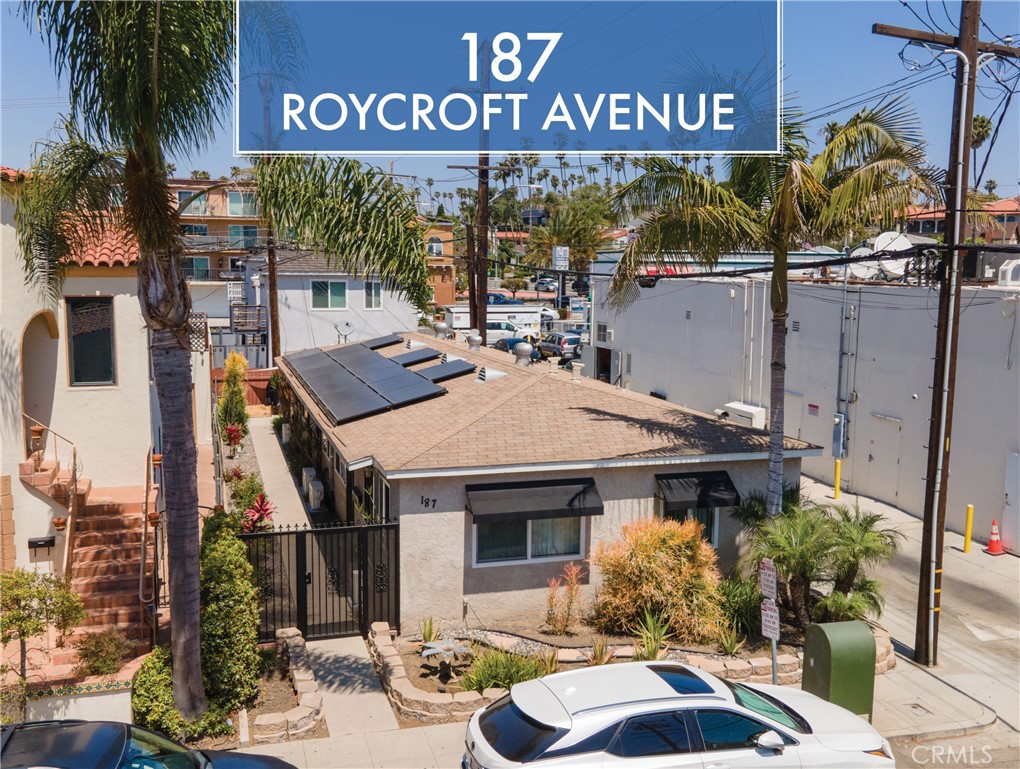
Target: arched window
435 246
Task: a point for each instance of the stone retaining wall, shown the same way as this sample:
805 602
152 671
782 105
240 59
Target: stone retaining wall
281 727
432 707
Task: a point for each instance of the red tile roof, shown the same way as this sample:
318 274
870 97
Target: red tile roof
114 249
9 174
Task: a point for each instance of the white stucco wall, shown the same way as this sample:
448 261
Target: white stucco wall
110 425
302 327
436 574
720 354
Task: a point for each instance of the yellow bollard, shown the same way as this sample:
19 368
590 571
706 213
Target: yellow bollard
835 485
969 528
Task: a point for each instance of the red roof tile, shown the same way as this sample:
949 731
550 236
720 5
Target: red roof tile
114 249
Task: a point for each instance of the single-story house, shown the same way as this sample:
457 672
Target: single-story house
500 472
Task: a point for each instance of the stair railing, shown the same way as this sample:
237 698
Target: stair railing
37 453
147 588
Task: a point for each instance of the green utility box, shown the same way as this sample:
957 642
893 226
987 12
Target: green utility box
839 665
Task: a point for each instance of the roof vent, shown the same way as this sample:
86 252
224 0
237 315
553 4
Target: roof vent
447 358
474 340
442 329
413 344
522 353
489 373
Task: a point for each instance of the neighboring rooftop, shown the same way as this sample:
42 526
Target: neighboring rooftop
531 415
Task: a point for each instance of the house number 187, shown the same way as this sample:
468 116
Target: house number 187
428 502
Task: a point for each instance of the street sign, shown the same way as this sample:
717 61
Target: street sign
770 619
561 257
767 578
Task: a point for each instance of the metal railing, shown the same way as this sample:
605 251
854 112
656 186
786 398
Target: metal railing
37 453
205 272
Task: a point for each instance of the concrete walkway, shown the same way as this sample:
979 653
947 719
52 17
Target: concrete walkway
276 478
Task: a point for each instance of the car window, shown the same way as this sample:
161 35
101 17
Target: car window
513 734
590 744
652 735
682 680
726 730
770 707
147 750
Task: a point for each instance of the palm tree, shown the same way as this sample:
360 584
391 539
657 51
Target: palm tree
990 186
145 79
567 225
872 169
859 541
980 130
429 182
830 130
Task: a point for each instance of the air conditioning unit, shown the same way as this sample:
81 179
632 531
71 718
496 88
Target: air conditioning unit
307 476
315 494
744 414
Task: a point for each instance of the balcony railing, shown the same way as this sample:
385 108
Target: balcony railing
201 272
205 243
248 318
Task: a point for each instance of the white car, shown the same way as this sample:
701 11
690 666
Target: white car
653 715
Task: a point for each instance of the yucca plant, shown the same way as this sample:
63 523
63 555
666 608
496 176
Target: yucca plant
600 653
448 650
730 641
653 634
430 629
550 660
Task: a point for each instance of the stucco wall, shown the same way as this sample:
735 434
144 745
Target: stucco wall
436 574
110 425
301 327
720 354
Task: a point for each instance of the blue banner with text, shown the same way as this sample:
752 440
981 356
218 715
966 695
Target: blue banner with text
444 77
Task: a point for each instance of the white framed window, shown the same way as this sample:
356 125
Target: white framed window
627 368
514 542
90 341
434 246
197 207
329 295
241 203
373 295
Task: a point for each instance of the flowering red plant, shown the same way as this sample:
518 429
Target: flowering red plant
233 434
259 516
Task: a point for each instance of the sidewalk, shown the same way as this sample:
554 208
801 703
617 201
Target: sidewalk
276 478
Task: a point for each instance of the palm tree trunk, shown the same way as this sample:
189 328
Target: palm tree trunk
800 590
777 386
171 369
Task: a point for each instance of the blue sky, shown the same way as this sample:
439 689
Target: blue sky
830 56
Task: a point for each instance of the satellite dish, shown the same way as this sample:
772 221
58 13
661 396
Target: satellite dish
863 270
344 330
892 241
894 269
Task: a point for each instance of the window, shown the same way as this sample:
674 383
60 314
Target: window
195 229
513 734
434 246
196 267
243 235
329 295
90 341
373 295
602 332
241 203
708 517
770 707
627 368
656 734
725 730
197 207
527 540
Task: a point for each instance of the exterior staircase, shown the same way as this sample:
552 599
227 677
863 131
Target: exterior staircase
105 529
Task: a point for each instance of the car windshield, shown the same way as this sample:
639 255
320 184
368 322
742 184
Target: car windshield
147 750
768 706
513 734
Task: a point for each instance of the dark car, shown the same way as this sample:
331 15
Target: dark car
112 745
493 298
581 286
507 345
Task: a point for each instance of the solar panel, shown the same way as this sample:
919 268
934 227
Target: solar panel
362 405
413 392
416 356
445 371
382 341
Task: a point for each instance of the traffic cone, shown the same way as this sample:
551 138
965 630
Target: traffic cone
994 542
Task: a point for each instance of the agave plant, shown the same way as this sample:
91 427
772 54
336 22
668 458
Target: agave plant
653 634
449 650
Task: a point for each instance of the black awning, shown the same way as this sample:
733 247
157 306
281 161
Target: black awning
530 500
684 491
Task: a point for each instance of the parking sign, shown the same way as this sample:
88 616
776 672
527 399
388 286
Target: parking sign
767 578
770 619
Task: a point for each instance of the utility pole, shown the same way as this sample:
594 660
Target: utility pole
971 53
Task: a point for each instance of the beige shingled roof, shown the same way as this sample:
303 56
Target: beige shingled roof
531 416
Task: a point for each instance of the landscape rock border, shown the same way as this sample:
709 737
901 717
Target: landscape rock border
306 715
449 707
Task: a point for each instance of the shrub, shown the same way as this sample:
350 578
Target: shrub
730 641
258 517
152 702
244 493
600 653
99 654
560 609
230 619
277 423
500 669
663 567
653 634
741 604
233 404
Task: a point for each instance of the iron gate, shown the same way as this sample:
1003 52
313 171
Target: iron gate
326 581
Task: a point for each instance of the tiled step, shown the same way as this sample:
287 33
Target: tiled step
122 581
121 499
108 538
83 570
106 554
125 521
111 599
60 491
120 615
